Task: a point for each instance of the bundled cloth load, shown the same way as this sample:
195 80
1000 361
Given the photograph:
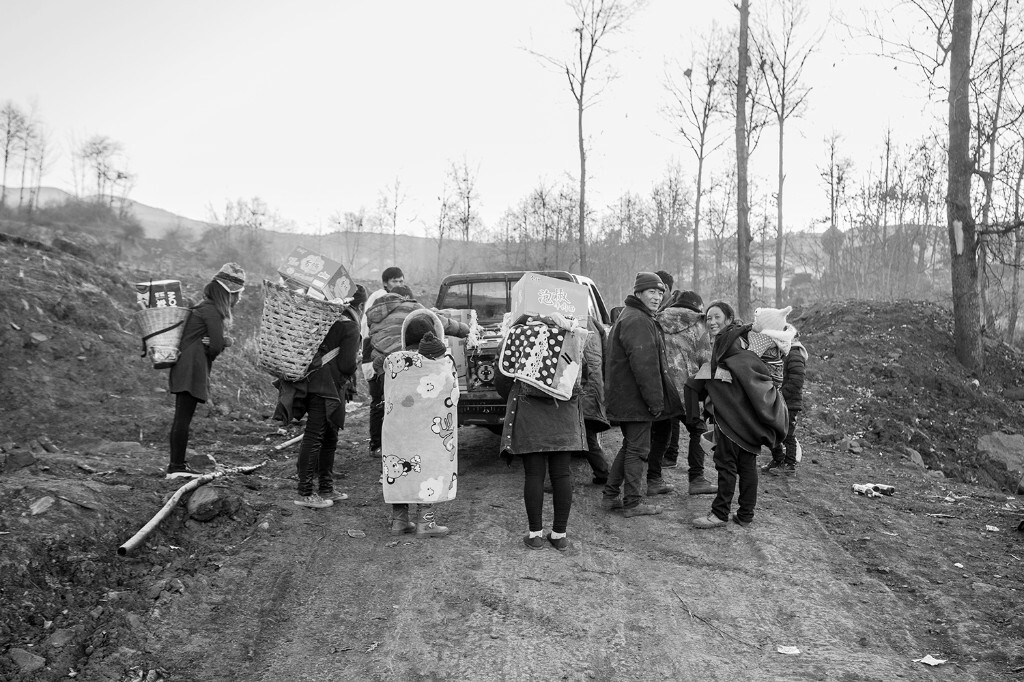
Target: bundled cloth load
545 352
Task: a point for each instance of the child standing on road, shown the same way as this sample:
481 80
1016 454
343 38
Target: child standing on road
784 462
419 433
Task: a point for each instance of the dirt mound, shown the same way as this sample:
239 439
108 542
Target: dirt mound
886 373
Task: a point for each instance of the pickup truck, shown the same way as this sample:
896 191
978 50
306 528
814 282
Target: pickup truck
489 294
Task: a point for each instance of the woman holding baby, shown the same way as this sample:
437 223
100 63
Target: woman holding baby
749 410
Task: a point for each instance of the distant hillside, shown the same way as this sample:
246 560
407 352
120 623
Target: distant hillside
156 222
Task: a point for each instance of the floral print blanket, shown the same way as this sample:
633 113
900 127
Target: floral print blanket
419 440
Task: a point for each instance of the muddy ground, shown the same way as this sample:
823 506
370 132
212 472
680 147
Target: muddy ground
859 587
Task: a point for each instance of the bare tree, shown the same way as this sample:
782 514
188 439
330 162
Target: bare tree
463 180
390 201
699 102
596 22
444 223
12 124
782 56
834 176
743 237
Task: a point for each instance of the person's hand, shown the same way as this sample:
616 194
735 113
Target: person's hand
655 413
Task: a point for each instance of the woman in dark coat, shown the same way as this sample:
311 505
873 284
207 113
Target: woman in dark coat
545 432
748 410
202 341
321 397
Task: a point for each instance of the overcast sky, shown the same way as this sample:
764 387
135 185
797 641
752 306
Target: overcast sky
316 106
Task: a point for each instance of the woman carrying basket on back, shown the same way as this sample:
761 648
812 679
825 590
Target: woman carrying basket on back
202 340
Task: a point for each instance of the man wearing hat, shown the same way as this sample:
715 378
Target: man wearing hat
688 346
638 391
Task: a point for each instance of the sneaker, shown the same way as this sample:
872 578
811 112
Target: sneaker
642 509
659 487
187 472
742 524
375 453
334 496
702 486
780 469
771 466
709 521
313 501
534 543
669 463
611 503
561 544
788 469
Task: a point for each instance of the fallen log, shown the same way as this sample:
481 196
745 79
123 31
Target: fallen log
288 443
137 539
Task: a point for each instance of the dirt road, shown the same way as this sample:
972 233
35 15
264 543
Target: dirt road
641 598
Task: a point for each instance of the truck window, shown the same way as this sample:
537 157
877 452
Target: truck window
457 297
490 300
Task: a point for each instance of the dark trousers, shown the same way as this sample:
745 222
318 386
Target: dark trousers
556 464
595 453
694 452
316 451
376 409
734 462
627 469
672 449
184 409
789 443
661 433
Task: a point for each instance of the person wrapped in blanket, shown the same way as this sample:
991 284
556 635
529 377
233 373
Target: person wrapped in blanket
540 369
748 409
419 431
321 397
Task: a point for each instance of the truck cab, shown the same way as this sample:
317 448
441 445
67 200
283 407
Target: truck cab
489 295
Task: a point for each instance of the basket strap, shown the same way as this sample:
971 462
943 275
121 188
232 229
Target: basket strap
329 355
147 337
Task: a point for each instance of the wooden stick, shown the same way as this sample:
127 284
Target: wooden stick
137 539
288 443
712 625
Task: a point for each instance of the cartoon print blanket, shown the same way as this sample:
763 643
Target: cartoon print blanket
545 356
419 440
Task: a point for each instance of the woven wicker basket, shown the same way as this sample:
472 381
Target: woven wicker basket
292 327
161 330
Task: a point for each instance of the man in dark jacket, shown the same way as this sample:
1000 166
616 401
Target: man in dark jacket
638 392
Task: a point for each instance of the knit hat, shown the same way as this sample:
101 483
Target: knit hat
231 276
431 347
647 280
771 318
691 300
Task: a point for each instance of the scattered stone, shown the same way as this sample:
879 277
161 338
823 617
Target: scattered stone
61 638
201 461
155 589
48 445
27 661
96 612
209 502
38 338
126 448
42 505
937 473
915 456
18 459
844 444
983 587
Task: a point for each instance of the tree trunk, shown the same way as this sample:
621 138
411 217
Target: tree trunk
742 205
961 226
779 232
696 225
583 184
